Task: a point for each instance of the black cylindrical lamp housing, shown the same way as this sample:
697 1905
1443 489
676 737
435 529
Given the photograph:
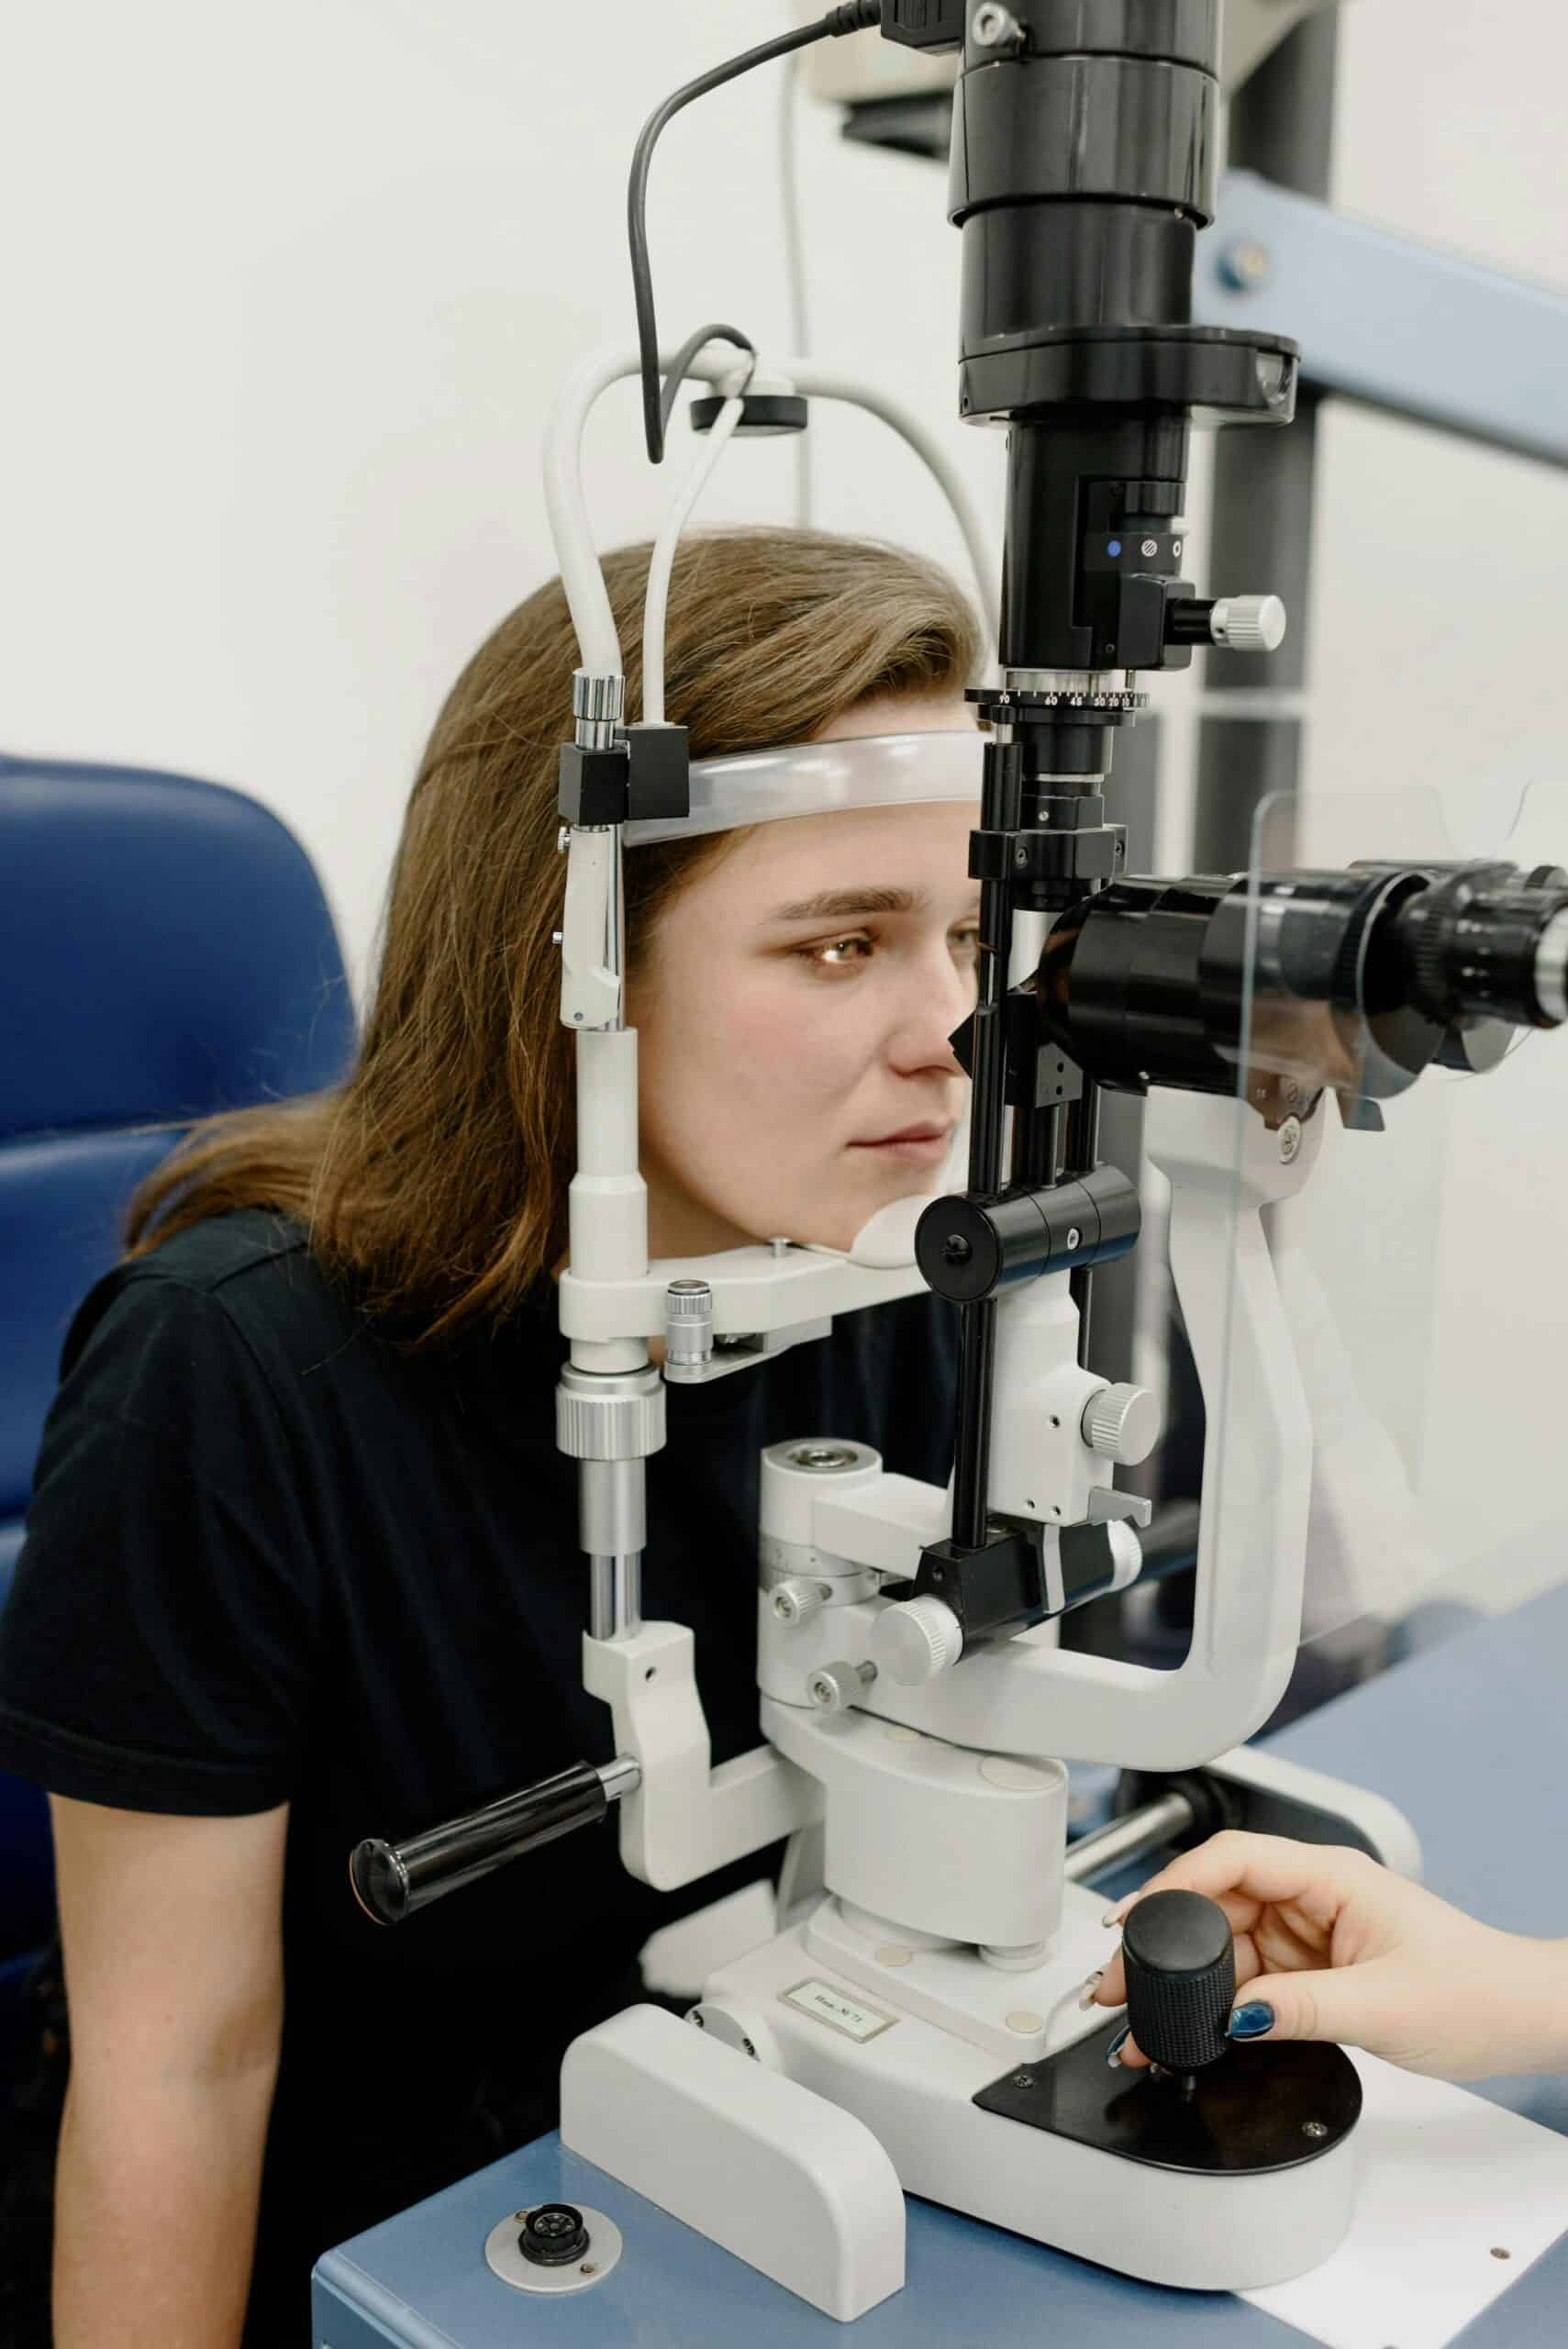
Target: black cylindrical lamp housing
1083 169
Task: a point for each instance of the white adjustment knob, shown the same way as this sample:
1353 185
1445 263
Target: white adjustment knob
1247 623
913 1639
794 1600
834 1687
1122 1423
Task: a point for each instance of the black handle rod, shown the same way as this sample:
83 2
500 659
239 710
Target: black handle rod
391 1880
1001 796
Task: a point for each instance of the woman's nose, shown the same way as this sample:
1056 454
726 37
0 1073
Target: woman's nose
938 997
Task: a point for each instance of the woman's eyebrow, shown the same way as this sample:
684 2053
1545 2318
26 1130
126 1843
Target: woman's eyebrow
841 905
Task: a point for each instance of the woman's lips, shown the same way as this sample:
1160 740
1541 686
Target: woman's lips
928 1152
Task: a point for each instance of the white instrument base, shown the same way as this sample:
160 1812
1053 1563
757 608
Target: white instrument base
912 2084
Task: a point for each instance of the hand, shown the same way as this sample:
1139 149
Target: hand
1336 1947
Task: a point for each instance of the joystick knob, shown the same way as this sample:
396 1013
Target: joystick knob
1181 1978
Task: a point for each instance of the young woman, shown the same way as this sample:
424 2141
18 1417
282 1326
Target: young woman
303 1559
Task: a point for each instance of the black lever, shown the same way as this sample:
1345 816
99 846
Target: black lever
391 1880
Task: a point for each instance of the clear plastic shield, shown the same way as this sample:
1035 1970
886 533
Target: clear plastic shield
1421 1261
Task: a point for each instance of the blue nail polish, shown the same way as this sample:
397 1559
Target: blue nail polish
1113 2052
1251 2021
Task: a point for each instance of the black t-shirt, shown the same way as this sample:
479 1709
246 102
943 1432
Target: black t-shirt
272 1558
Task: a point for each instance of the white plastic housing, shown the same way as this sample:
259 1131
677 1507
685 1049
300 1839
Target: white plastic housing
784 2179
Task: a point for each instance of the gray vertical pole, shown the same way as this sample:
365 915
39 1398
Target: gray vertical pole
1282 125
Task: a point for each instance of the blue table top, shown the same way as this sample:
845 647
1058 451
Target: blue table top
1468 1738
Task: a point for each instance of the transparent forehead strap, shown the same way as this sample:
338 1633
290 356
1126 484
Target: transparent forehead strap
821 779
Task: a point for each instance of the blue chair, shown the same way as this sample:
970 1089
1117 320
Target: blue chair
167 952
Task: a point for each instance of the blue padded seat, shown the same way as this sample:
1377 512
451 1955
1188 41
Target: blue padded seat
168 953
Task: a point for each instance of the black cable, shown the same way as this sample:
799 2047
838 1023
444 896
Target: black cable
859 16
681 361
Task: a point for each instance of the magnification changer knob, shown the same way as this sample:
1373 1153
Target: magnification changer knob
1122 1423
913 1639
1180 1962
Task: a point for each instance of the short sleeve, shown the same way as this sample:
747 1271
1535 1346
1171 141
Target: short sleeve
157 1649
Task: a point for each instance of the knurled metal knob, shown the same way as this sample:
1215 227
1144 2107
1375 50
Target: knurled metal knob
1180 1962
795 1601
613 1415
1122 1423
834 1687
688 1323
913 1639
1247 623
598 695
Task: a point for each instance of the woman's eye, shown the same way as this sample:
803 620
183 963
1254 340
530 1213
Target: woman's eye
821 955
845 953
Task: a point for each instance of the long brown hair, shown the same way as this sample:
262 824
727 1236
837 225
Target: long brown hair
436 1177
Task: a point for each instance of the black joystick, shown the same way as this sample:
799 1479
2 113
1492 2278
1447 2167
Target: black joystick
1181 1978
553 2236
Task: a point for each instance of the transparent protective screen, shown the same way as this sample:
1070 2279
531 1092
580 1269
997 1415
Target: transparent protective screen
1423 1263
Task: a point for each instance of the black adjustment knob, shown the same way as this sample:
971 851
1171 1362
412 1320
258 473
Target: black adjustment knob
553 2236
1181 1978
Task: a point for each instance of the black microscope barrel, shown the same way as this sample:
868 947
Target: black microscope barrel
1483 943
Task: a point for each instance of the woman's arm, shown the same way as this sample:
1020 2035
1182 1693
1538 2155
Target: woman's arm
171 1933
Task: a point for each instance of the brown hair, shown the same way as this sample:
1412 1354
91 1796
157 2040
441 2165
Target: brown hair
436 1177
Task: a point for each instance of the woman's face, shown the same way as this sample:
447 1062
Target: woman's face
793 1008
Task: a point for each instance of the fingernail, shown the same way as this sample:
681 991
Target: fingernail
1251 2021
1113 2054
1113 1915
1086 1995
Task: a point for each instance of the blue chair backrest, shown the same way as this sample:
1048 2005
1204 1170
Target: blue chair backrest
167 952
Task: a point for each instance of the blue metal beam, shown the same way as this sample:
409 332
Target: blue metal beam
1382 319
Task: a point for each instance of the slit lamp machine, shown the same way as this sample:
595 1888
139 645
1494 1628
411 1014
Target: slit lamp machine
913 2025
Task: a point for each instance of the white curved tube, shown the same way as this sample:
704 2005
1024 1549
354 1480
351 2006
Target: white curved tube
825 382
657 601
567 508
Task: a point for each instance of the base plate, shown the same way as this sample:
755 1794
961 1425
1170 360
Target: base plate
1255 2108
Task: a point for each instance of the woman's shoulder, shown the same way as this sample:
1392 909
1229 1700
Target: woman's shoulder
246 1280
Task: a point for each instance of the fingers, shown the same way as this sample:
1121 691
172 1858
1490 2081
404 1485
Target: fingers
1110 1989
1265 1870
1318 2006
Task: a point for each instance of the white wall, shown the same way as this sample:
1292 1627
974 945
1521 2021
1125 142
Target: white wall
299 289
294 289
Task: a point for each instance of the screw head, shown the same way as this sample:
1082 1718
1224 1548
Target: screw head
1315 2129
956 1250
1289 1140
991 25
1245 264
1075 1237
